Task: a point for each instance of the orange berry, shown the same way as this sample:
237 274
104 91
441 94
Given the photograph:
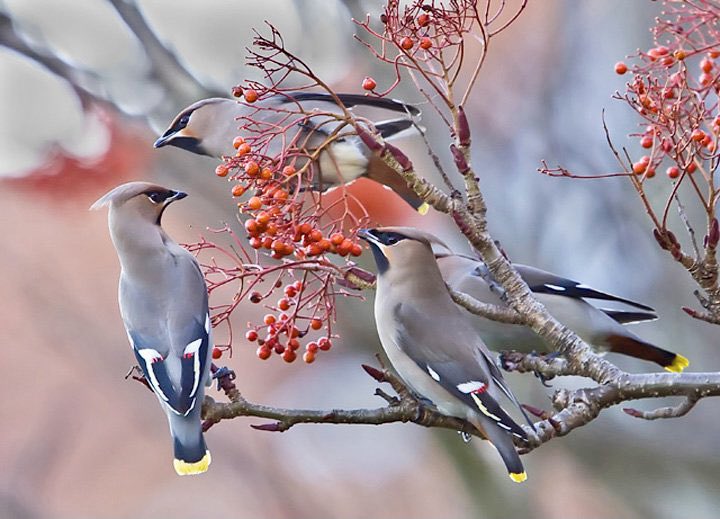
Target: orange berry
407 43
308 357
639 168
345 247
255 203
356 250
251 335
222 170
252 227
714 54
263 218
680 54
706 65
705 79
216 353
267 242
316 324
315 235
425 43
238 190
294 344
369 83
620 68
697 135
650 173
269 319
423 20
314 250
263 352
337 238
646 141
237 141
280 194
288 171
252 168
243 149
255 243
251 95
673 172
325 244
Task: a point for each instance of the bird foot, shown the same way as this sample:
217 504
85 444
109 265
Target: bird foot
224 377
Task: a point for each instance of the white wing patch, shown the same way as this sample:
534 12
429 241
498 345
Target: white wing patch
483 409
433 374
149 356
192 349
207 323
471 387
555 287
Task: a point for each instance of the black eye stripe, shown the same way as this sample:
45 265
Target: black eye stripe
158 197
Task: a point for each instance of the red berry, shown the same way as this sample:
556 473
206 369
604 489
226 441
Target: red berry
620 68
691 168
290 291
237 91
646 141
356 249
251 95
216 353
312 347
252 227
309 357
269 319
423 20
324 344
256 297
251 335
650 173
293 344
263 352
288 171
369 83
289 355
283 304
407 43
639 168
673 172
425 43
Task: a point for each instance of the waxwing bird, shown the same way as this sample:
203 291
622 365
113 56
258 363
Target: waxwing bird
209 126
565 300
431 343
164 306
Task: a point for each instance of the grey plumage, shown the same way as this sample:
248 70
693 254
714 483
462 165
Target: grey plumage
431 343
209 126
565 300
164 306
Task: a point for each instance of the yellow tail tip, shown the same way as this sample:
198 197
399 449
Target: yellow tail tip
518 477
424 208
183 468
679 363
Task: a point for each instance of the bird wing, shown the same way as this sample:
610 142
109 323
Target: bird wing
543 282
170 335
466 373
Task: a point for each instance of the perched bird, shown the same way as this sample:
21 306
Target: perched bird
164 306
209 126
565 300
432 344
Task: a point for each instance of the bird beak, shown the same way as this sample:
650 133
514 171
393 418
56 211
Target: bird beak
368 236
179 195
163 140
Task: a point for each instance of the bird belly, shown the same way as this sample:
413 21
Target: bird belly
343 162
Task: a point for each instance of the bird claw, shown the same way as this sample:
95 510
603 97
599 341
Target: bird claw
223 374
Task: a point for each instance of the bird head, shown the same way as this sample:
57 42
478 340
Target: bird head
399 245
204 128
143 199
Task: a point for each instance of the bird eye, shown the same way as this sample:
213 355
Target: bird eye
156 197
183 122
392 240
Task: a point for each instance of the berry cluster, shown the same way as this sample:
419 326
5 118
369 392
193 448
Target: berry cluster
674 89
285 220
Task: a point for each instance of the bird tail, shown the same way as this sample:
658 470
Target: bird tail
191 453
503 442
633 347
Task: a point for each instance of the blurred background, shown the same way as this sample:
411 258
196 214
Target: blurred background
87 85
